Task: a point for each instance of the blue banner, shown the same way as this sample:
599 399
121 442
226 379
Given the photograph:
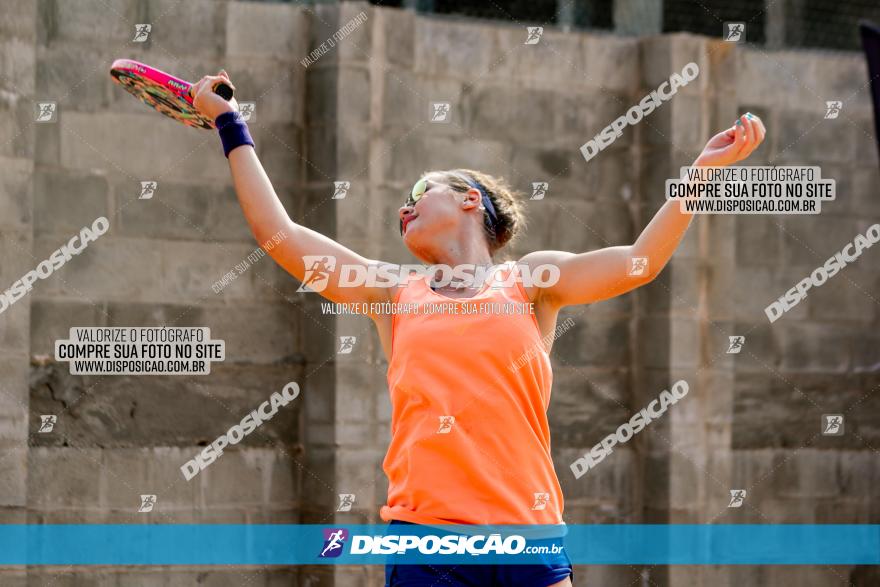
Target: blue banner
282 544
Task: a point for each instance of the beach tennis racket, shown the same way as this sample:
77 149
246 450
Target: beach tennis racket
166 93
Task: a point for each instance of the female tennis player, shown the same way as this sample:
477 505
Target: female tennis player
470 442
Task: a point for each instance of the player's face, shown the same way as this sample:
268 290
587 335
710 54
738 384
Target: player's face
431 210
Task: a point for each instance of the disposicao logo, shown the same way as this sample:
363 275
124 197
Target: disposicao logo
334 540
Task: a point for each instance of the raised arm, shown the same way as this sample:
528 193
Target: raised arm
267 217
606 273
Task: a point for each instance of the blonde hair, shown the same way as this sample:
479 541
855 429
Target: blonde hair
507 202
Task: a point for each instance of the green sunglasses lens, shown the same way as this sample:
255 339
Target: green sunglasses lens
419 189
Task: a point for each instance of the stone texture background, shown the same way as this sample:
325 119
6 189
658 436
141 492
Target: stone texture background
361 114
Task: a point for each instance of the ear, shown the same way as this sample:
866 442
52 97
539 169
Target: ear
472 199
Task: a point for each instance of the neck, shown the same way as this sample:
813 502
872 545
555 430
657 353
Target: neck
461 252
460 249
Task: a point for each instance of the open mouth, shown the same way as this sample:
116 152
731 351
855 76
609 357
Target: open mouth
405 223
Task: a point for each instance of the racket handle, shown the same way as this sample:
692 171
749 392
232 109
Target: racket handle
224 91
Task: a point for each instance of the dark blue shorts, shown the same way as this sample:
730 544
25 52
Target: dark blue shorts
555 569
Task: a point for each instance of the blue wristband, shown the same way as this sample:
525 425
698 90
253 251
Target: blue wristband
233 131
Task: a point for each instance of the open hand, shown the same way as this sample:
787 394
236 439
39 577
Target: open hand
734 144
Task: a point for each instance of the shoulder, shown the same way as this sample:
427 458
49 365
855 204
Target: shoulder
541 266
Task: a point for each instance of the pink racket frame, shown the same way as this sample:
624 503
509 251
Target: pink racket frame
157 89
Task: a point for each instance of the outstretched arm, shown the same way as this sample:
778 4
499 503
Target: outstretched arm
606 273
267 217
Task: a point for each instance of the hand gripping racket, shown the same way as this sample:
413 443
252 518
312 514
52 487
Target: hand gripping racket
166 93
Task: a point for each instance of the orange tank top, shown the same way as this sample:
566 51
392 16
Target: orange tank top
470 443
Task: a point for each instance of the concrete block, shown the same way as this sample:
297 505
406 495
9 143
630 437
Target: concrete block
661 56
770 411
175 25
14 477
397 27
788 73
165 149
586 405
75 75
674 289
20 21
358 44
455 49
353 155
321 157
807 473
865 142
405 158
125 477
190 269
17 138
121 269
17 56
180 411
815 347
318 484
609 485
361 468
608 62
556 166
844 297
598 342
865 355
580 117
490 111
65 478
89 22
244 478
555 59
245 344
775 281
181 211
272 283
267 31
353 106
407 98
283 154
15 192
758 239
863 197
51 320
805 134
323 95
65 202
577 226
760 351
277 88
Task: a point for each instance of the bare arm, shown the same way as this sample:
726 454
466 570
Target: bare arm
606 273
267 217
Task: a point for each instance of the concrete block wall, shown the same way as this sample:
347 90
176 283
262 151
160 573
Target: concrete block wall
361 113
119 437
